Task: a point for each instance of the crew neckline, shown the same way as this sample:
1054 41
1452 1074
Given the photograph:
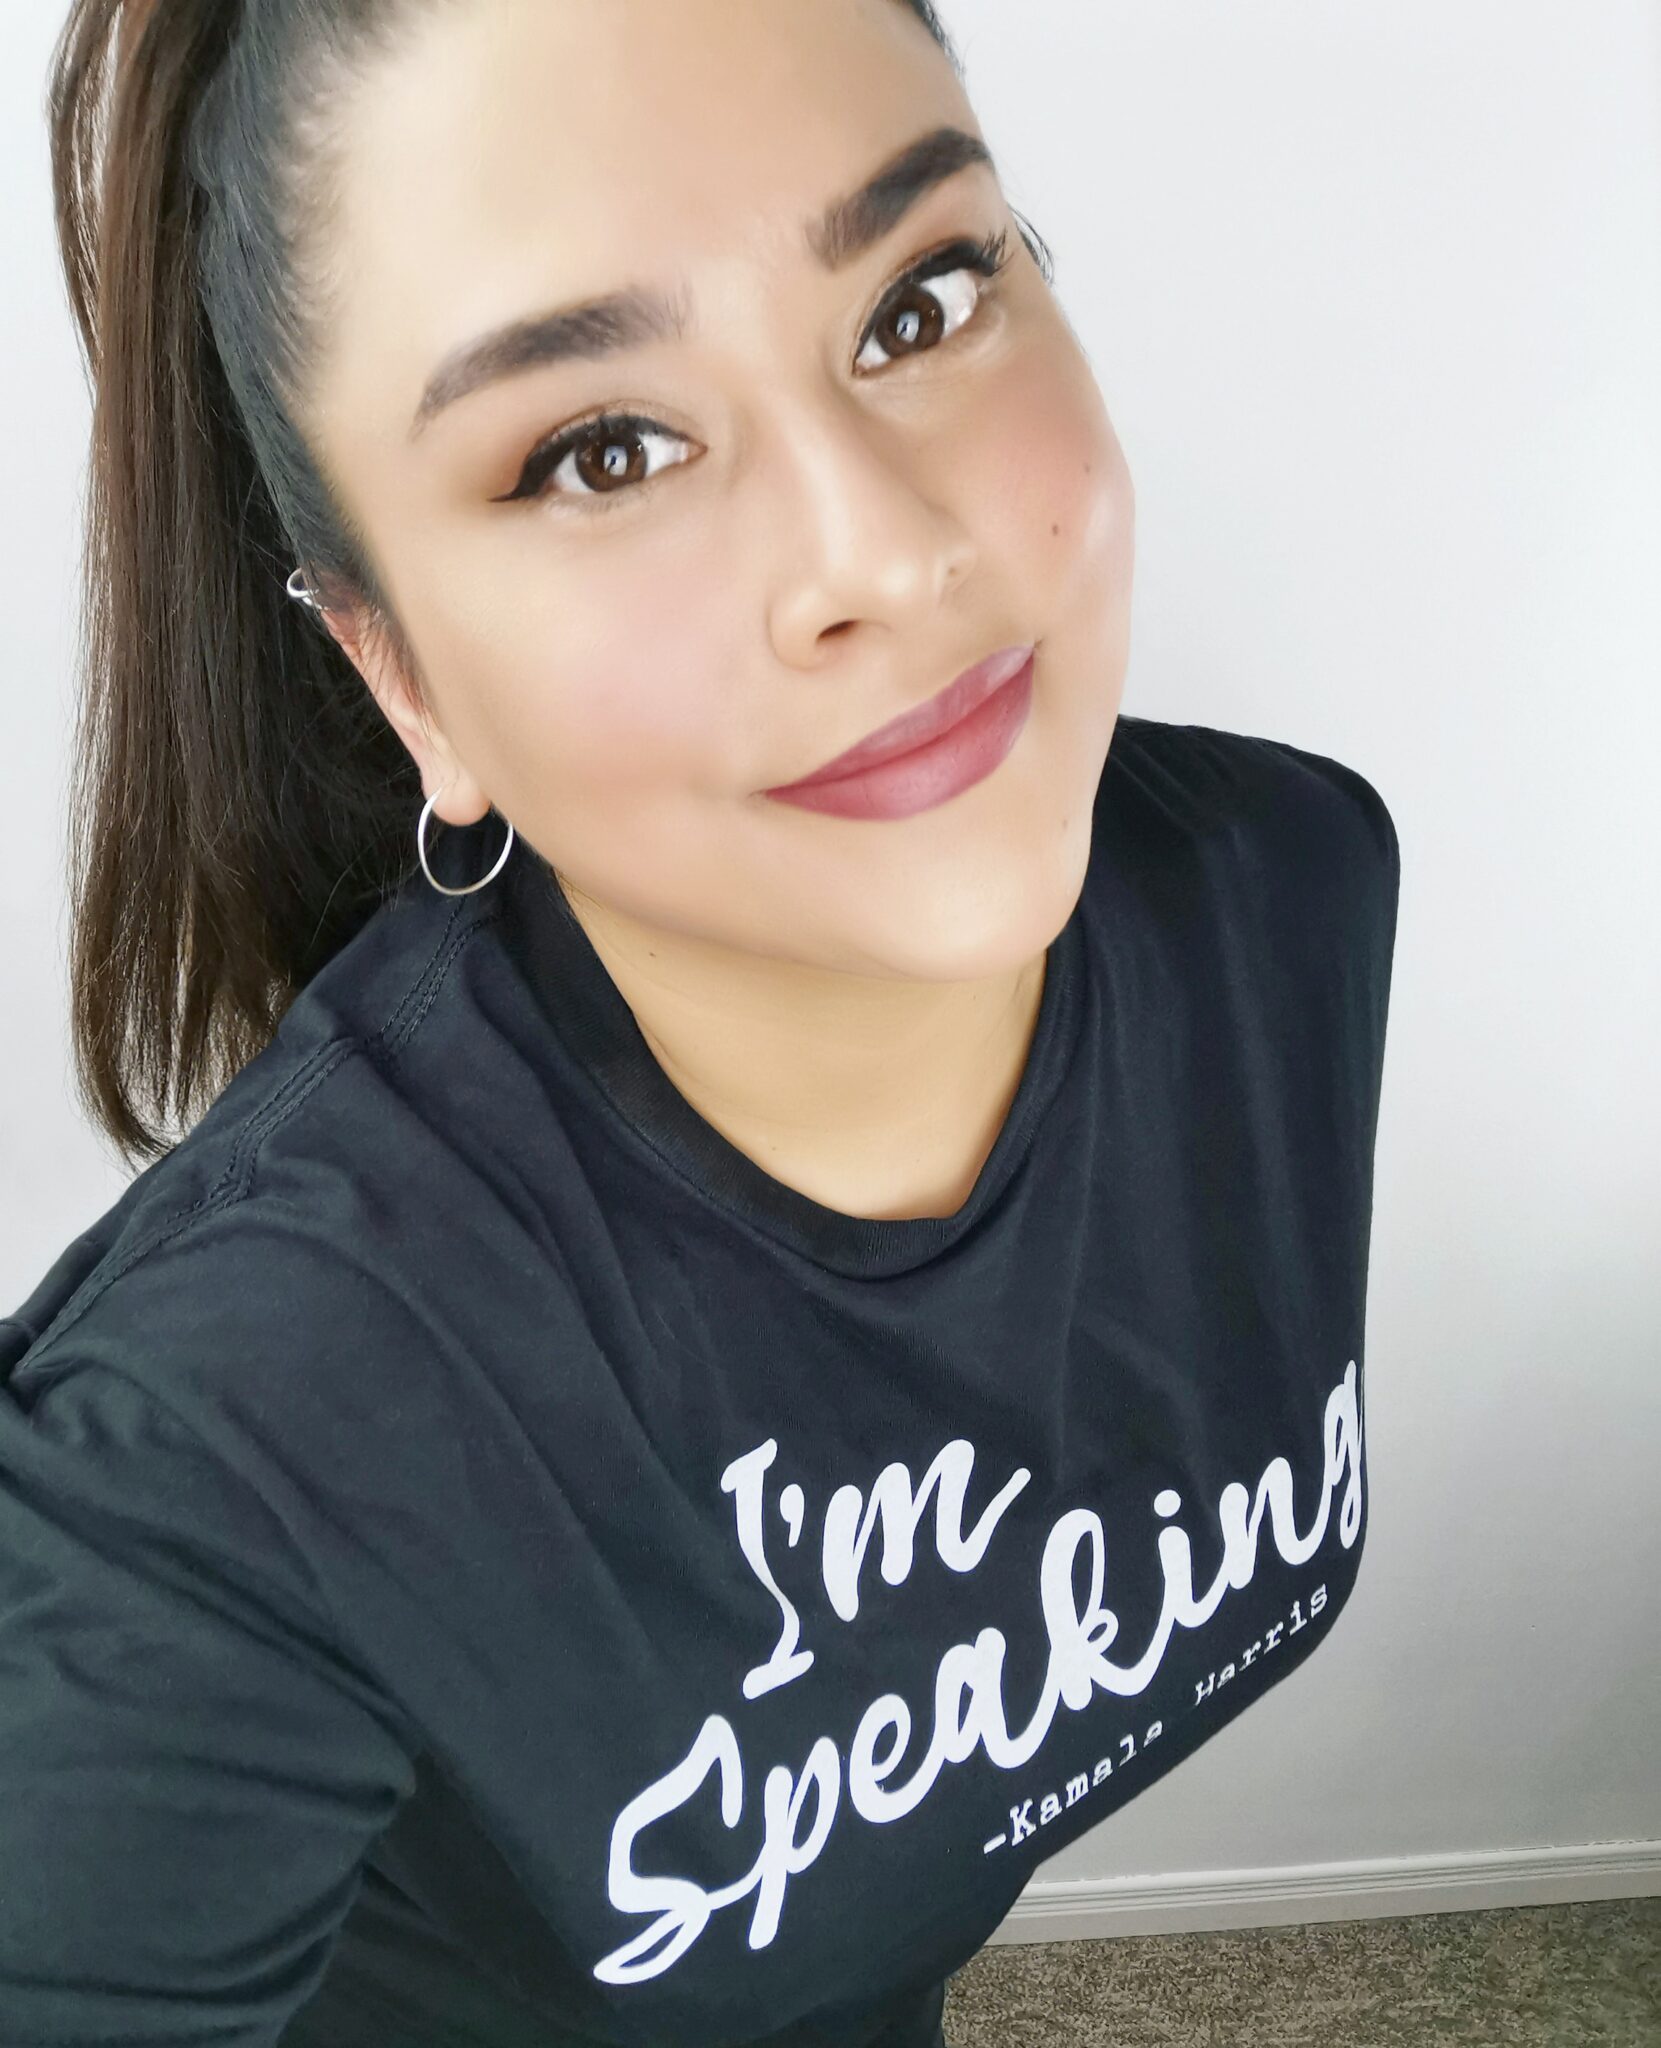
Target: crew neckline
598 1030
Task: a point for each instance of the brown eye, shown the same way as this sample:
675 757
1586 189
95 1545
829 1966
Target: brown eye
610 459
915 321
937 297
603 457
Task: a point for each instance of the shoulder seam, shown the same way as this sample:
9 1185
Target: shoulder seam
235 1181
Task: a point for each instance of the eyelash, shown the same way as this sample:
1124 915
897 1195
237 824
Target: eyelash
987 258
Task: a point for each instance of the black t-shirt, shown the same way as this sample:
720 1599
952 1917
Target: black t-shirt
483 1562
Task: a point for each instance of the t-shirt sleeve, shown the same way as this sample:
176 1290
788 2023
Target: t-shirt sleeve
190 1770
1352 869
1303 873
1336 932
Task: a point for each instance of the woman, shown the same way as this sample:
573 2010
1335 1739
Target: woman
749 1349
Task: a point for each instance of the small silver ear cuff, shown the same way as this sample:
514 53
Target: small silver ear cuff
301 591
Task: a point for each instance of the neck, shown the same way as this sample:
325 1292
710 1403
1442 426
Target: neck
876 1097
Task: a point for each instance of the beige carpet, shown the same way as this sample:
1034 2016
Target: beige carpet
1586 1976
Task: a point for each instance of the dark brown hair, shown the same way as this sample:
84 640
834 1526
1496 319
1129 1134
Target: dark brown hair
239 805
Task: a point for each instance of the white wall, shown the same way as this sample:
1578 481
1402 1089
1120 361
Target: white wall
1374 295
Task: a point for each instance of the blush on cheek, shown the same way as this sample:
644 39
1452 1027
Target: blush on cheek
648 715
1095 510
1049 469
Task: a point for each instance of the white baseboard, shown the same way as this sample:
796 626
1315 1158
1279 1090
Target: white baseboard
1187 1902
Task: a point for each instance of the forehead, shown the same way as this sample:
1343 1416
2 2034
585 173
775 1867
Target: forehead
516 153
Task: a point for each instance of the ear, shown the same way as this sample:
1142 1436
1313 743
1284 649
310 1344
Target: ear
369 649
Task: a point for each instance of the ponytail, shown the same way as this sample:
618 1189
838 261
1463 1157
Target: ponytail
239 804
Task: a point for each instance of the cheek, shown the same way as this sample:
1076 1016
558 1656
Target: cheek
1054 494
593 690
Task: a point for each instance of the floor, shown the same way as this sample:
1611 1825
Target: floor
1582 1976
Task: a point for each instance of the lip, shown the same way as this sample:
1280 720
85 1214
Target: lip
918 727
923 777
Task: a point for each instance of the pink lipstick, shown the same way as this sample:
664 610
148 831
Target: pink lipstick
928 755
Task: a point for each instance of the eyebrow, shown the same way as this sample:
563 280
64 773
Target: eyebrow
596 328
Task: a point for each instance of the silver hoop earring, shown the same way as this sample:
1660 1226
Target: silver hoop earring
421 849
300 590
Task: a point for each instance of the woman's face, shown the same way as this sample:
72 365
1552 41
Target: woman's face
822 512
